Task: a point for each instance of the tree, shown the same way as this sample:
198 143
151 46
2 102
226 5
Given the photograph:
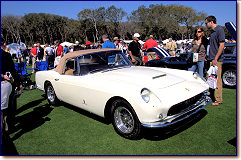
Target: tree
164 21
187 16
12 25
113 18
94 17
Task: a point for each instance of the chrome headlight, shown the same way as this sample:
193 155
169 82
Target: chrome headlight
150 97
145 95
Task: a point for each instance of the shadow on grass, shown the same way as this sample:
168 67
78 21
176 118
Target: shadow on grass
233 142
31 120
29 105
86 113
154 134
157 134
7 146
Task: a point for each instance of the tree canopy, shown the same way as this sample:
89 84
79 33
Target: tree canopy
161 21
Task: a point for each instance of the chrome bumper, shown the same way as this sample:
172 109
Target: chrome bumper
169 120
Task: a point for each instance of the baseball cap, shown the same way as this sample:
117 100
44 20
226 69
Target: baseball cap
136 35
88 43
116 39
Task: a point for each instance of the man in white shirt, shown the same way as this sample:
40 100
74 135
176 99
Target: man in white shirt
49 55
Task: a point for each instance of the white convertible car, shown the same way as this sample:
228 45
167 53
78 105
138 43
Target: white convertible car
104 82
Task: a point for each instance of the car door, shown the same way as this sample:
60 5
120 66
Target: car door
77 89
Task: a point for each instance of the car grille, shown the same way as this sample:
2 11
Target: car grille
184 105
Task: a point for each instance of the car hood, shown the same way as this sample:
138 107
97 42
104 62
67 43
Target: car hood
143 76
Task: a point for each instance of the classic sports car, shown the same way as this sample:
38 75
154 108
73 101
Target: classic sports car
155 53
229 70
183 61
104 82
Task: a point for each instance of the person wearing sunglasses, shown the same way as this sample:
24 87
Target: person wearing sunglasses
199 49
215 56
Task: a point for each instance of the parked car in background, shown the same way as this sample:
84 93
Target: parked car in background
229 67
155 53
104 82
184 61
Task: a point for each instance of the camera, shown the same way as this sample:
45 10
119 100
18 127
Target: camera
8 74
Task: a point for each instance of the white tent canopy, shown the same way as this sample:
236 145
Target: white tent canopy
67 44
14 46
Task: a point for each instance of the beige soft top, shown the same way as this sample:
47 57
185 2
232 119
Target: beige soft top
60 68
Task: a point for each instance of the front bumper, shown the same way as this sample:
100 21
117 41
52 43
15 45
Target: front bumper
192 109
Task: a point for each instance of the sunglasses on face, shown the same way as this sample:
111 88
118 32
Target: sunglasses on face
206 23
199 31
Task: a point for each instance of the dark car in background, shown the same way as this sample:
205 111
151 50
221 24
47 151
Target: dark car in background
184 61
229 65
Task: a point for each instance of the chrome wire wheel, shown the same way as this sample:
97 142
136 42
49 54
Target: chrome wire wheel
50 94
229 78
124 120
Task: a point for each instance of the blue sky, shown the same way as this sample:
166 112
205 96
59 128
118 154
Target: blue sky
224 11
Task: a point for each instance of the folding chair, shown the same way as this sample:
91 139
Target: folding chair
21 69
23 74
42 66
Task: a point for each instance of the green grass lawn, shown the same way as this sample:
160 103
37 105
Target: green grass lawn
66 130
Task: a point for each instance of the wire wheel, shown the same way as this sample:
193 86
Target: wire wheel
51 94
229 78
124 120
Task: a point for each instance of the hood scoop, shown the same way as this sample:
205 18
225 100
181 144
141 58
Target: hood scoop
163 75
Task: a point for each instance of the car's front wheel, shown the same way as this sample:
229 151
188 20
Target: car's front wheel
229 77
51 96
124 120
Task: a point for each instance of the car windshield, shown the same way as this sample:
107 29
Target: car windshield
101 61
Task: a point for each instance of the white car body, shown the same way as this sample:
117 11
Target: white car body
93 91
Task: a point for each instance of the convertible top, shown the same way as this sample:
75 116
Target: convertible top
60 68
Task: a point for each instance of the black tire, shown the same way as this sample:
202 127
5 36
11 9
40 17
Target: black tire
229 77
124 120
50 94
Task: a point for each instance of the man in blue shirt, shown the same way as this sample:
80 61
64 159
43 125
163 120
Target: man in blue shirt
19 55
107 43
66 49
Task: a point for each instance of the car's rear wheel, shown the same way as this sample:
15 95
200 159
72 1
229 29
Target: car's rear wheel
124 120
229 77
51 96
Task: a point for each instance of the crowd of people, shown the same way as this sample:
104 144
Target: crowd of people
135 51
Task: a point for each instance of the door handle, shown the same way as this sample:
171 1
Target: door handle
56 79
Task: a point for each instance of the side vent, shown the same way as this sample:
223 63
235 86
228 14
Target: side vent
159 76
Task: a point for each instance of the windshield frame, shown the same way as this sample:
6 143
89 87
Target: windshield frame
105 67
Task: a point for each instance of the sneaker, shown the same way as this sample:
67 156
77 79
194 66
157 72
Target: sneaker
215 104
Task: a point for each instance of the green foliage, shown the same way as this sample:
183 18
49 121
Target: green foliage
176 21
164 21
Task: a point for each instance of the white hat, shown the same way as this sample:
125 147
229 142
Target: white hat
136 35
35 45
76 42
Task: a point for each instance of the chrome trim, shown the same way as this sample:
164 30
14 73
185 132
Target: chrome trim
169 120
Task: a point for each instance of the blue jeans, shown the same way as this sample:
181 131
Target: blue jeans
197 67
